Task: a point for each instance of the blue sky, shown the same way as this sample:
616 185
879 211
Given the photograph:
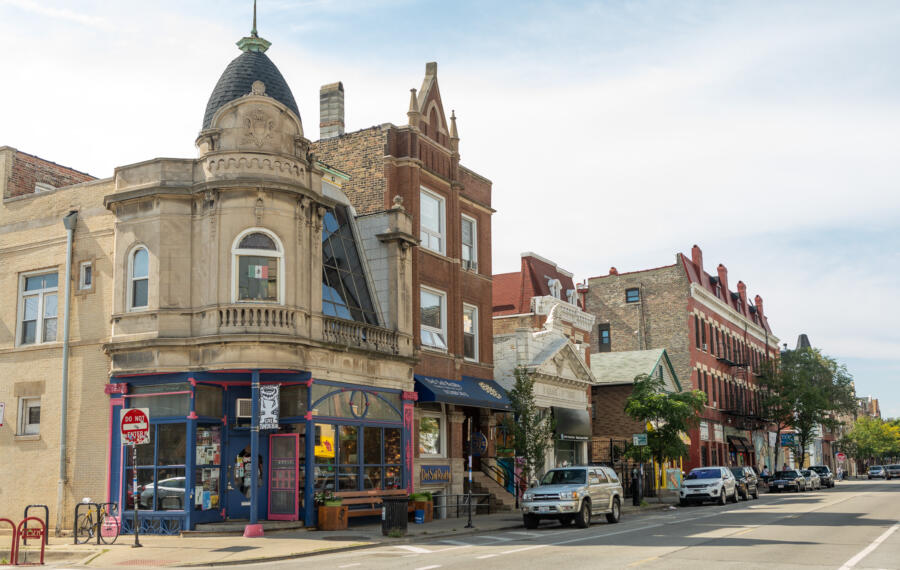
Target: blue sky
765 132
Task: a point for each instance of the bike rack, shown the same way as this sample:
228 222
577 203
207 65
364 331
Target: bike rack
15 541
109 507
75 521
25 532
46 521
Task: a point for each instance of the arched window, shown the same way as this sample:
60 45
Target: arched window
138 278
257 261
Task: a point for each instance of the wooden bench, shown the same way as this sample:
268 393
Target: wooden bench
368 503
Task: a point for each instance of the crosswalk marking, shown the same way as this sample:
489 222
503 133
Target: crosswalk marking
416 549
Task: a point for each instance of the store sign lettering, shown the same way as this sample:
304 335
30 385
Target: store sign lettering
434 474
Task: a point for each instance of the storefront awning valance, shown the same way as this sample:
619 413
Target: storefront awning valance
741 445
466 392
571 424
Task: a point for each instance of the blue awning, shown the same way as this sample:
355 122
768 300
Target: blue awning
469 391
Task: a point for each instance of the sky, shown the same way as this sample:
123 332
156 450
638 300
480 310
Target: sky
764 132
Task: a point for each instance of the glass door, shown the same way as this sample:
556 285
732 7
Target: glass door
283 480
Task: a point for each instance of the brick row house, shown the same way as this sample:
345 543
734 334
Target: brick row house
716 339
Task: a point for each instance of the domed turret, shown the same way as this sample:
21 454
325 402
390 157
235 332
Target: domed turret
252 65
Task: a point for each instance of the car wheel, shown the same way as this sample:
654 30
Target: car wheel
682 503
530 521
616 513
736 496
583 518
722 498
756 493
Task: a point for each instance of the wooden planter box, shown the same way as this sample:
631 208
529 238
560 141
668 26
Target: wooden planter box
426 506
332 518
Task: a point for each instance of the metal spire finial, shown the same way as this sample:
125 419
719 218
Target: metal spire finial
253 31
253 42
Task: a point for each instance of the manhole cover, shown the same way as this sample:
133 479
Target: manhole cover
236 549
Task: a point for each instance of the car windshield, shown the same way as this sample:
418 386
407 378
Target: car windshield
893 466
806 473
737 471
704 474
875 468
564 477
785 474
820 469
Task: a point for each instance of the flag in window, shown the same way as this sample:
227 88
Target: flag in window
258 271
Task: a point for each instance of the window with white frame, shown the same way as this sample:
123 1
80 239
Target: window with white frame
139 278
29 416
38 308
469 243
257 262
555 288
85 275
432 221
470 332
432 442
433 317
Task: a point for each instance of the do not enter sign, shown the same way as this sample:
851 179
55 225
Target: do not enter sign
135 426
841 457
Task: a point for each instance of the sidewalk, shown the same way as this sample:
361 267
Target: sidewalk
275 545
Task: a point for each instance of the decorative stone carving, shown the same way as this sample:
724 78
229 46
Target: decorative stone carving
276 165
259 126
258 88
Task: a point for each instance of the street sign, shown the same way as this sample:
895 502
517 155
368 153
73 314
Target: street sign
787 440
135 426
841 457
639 439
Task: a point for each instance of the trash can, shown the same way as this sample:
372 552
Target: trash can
394 516
420 516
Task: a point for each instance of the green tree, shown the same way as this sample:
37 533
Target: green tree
804 390
669 414
873 439
532 431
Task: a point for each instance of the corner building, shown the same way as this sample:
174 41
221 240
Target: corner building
716 340
196 279
418 165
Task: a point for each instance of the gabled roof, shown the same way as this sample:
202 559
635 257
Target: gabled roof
622 367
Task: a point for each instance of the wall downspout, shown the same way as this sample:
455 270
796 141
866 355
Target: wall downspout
69 222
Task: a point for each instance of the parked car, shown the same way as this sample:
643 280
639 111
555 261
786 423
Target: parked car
574 494
170 495
747 482
708 484
790 480
877 472
892 471
825 475
813 482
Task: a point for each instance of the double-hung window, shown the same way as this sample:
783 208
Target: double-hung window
632 295
432 221
433 316
431 435
470 332
139 279
85 276
29 416
469 243
38 308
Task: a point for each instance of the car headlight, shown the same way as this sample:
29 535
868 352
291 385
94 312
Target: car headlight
527 497
568 495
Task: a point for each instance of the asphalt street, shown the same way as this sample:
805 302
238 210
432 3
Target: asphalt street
854 525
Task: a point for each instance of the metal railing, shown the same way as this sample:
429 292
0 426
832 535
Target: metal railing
459 504
504 475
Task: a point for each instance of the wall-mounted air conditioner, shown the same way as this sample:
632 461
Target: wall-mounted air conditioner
244 408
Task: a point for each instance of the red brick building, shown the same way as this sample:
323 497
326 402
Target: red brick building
26 174
716 338
418 165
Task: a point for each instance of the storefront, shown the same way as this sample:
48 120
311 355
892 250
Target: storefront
573 431
197 467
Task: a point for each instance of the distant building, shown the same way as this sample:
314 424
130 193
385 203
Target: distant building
868 406
540 328
715 338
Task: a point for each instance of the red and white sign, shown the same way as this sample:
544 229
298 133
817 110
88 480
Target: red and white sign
135 426
841 457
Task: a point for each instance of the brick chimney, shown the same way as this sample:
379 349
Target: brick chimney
613 271
759 307
697 258
723 278
331 110
742 292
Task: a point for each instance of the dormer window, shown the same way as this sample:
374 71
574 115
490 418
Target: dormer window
555 288
571 296
257 261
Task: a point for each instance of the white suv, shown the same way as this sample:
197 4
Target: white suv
574 495
708 484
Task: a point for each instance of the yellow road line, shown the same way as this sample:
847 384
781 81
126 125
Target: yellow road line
639 562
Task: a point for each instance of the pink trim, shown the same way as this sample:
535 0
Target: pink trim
411 396
192 416
109 452
308 416
117 402
115 388
192 381
309 382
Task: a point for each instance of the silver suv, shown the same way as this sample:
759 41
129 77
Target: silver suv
574 494
708 484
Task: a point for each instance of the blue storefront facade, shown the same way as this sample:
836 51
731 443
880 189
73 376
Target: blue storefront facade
197 468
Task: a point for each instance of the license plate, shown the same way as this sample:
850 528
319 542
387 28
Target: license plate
542 509
781 486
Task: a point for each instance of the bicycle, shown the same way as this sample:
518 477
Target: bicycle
103 517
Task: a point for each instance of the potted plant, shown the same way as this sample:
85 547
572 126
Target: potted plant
422 501
332 514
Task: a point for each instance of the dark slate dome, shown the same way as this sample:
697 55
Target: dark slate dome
240 74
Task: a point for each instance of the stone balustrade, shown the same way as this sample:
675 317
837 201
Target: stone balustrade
254 319
359 335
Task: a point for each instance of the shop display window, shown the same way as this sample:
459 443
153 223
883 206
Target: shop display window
379 466
160 469
208 461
